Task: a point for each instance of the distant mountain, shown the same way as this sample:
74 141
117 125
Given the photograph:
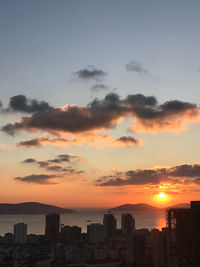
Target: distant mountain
142 207
31 208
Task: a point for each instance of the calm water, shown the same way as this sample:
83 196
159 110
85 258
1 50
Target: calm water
36 223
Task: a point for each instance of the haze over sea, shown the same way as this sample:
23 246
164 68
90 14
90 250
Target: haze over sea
82 217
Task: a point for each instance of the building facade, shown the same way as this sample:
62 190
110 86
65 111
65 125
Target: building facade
127 224
95 233
20 233
52 227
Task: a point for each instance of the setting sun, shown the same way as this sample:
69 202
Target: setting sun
162 196
162 199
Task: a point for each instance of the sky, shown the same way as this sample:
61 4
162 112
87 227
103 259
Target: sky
99 102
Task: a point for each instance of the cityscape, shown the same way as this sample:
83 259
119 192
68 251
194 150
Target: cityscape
99 133
176 245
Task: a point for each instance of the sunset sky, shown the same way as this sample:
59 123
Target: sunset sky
99 102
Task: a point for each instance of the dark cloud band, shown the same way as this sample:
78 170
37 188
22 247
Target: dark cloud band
147 114
178 174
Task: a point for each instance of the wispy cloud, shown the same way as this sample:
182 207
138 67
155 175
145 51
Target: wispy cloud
93 139
128 141
38 179
90 73
55 165
99 87
136 66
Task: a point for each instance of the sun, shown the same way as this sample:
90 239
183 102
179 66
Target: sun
161 198
161 195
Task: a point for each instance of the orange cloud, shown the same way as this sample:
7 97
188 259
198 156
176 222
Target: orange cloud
171 122
92 138
170 177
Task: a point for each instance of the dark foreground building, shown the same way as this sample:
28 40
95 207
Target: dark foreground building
184 236
127 224
52 227
110 225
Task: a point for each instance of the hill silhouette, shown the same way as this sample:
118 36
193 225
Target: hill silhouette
136 207
31 208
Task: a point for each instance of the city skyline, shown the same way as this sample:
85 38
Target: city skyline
99 102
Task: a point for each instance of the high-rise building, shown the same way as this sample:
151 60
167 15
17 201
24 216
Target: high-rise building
52 227
95 233
110 225
195 227
136 249
184 236
127 224
20 233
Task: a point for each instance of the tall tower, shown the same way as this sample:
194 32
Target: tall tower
127 224
110 225
52 227
20 233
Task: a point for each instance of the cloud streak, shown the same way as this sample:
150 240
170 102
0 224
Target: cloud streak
40 141
49 165
67 158
93 139
53 165
182 174
38 179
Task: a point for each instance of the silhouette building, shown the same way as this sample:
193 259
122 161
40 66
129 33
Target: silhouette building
184 236
95 233
110 225
136 249
69 233
20 233
52 227
127 224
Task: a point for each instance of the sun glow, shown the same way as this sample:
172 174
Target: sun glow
161 195
161 198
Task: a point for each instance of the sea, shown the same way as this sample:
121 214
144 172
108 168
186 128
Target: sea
81 217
